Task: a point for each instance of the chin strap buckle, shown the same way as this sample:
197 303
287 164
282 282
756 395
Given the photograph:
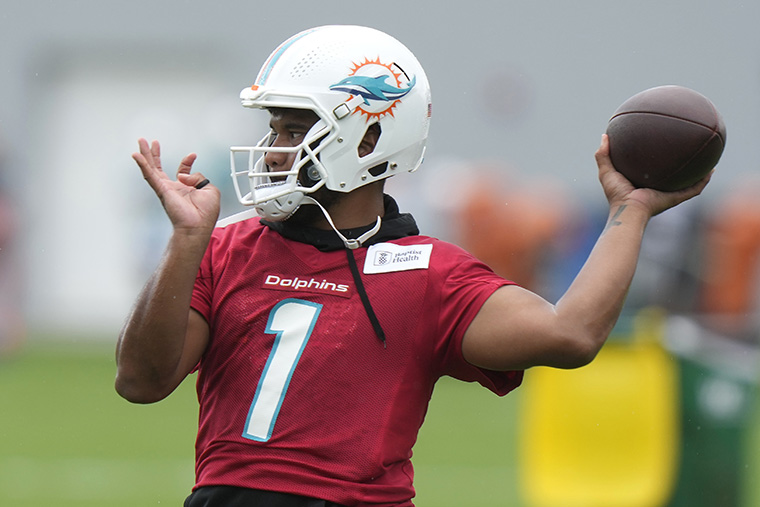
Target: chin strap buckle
351 244
347 107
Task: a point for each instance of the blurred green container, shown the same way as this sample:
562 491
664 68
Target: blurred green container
718 393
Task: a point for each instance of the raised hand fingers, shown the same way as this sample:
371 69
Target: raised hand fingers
147 151
186 164
155 151
183 173
149 161
602 154
151 153
195 180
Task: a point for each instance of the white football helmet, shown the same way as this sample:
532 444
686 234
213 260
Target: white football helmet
351 77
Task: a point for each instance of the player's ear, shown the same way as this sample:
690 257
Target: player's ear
369 141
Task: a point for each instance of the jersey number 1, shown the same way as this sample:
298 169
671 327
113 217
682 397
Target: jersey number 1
292 320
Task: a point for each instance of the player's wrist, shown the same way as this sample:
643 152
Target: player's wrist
191 237
632 208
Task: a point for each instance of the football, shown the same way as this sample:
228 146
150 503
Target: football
666 138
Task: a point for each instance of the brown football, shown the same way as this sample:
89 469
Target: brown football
666 138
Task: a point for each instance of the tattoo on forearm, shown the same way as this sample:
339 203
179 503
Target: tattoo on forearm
614 220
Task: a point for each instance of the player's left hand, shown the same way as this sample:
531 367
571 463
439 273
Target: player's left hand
620 191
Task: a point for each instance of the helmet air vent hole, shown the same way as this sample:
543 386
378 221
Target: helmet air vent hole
303 68
378 169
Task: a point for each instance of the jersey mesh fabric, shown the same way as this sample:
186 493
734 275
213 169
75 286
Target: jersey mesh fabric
351 412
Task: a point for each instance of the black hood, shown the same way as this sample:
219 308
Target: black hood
394 225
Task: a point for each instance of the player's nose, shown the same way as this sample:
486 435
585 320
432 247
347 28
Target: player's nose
277 160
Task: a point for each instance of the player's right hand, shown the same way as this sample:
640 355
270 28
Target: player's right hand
188 208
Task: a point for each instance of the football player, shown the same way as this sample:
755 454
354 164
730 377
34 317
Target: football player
319 320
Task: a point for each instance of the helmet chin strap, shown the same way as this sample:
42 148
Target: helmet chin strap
351 244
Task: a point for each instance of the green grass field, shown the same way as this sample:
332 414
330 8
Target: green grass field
67 439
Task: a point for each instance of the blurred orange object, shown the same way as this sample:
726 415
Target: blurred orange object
509 227
732 256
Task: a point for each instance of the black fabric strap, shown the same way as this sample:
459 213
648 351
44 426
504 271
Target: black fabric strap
363 295
231 496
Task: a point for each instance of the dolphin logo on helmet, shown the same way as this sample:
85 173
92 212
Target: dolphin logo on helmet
372 88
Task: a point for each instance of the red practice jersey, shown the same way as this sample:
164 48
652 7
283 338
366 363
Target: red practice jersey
297 393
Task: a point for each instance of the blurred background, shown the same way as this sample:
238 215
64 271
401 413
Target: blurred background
522 92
